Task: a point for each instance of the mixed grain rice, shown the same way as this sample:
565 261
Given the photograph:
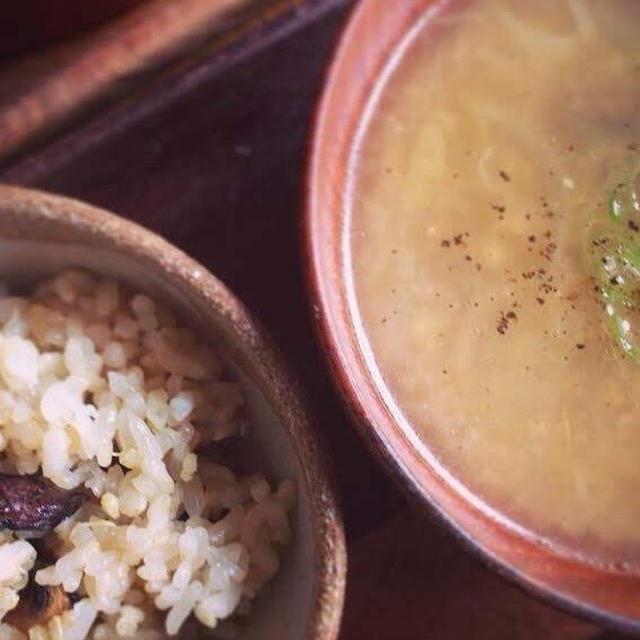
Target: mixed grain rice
103 389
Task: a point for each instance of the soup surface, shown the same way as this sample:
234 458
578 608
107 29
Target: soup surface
493 149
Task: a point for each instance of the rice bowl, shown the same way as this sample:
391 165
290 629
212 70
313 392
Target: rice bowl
42 235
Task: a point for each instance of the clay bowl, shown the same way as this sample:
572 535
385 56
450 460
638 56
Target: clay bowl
372 34
41 234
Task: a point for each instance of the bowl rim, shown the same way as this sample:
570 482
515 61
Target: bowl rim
371 34
271 374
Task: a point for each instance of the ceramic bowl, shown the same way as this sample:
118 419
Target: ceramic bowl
41 234
371 36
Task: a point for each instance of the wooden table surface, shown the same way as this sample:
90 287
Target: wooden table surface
212 157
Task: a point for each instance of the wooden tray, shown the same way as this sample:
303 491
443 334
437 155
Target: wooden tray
42 91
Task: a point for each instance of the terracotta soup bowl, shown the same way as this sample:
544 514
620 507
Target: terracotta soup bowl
375 31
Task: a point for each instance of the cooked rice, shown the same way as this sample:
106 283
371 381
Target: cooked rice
104 389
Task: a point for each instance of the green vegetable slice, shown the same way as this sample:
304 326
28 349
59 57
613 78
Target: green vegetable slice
614 262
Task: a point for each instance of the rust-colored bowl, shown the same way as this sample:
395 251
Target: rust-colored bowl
375 30
40 234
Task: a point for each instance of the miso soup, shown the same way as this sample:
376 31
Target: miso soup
493 246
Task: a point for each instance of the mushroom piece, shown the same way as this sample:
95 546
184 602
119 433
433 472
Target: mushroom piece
31 503
37 606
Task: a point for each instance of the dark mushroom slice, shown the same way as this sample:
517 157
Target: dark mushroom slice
31 503
37 606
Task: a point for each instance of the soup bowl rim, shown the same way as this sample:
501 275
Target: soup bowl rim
368 38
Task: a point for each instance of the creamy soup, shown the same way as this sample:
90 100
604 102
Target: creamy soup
492 193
